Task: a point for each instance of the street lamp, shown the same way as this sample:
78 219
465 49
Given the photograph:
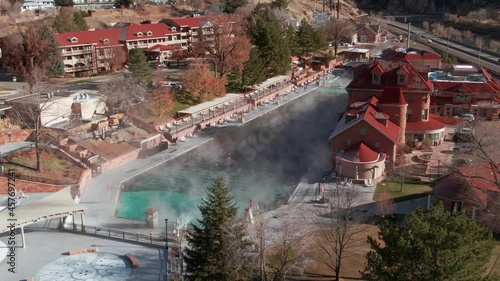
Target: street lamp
480 48
166 235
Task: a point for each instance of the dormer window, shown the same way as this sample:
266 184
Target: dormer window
105 40
401 79
138 34
73 39
149 33
376 78
173 28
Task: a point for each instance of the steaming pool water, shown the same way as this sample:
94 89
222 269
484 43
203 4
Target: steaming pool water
264 169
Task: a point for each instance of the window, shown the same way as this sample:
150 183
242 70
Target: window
149 33
376 78
348 143
408 114
362 131
425 114
409 98
401 79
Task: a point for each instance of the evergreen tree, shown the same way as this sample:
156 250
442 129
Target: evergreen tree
79 22
56 67
433 245
267 34
254 71
63 22
217 244
139 67
280 4
305 36
291 36
231 5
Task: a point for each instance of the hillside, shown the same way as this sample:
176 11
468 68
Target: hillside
460 7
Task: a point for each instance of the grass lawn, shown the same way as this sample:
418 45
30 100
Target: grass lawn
178 106
410 190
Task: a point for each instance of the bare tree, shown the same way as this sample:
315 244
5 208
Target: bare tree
113 58
30 53
340 228
337 30
195 4
226 42
400 175
386 206
281 243
121 94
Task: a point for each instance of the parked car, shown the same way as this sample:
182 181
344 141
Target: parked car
467 117
174 85
161 64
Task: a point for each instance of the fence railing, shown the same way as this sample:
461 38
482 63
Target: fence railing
152 238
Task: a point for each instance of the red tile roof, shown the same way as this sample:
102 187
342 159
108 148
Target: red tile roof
95 37
415 81
391 131
366 154
134 31
412 55
392 95
360 152
434 123
469 87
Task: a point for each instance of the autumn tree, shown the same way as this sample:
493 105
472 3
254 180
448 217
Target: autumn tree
32 53
162 97
226 43
138 66
179 55
199 81
338 233
336 30
121 94
282 243
433 244
113 57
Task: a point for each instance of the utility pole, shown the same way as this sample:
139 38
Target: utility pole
338 9
409 35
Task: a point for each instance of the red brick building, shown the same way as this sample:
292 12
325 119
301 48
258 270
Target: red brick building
368 33
394 94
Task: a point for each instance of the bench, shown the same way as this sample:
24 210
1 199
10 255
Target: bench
133 260
81 251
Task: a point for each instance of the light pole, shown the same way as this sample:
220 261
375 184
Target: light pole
447 45
166 246
480 49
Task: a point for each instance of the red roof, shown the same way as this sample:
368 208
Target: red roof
415 81
392 95
434 123
145 31
469 87
391 130
412 55
360 152
377 69
366 154
94 37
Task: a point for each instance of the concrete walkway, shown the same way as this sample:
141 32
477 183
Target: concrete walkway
101 206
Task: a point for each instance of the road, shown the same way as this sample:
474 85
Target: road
486 59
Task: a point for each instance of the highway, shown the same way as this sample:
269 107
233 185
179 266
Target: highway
467 53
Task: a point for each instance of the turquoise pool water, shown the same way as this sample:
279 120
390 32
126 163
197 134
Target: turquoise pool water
177 190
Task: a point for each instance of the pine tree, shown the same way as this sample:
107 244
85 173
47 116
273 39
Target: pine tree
217 243
291 36
139 67
267 35
305 36
433 245
254 71
79 22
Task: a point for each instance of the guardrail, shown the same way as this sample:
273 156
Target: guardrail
153 239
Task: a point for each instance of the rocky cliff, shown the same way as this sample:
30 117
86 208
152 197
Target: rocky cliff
460 7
